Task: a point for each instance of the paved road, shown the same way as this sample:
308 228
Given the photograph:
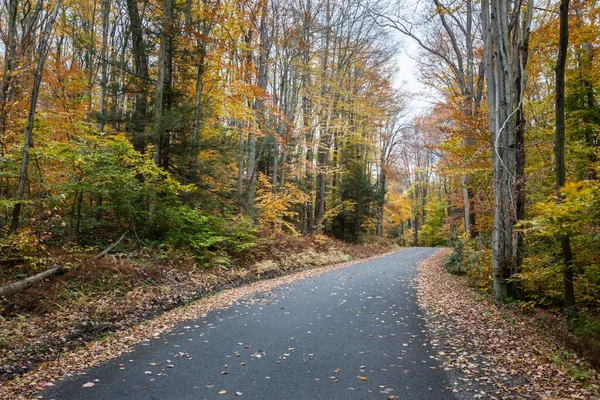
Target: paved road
351 333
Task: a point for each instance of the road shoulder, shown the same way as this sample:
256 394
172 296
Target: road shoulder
491 352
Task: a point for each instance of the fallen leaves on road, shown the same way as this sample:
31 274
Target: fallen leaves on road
492 352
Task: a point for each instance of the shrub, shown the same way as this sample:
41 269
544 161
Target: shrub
183 227
470 258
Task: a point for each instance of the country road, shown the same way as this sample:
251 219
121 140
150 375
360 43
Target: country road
351 333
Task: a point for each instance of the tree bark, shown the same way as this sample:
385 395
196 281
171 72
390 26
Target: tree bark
324 134
505 83
10 61
559 150
25 283
307 115
104 64
258 106
137 125
162 87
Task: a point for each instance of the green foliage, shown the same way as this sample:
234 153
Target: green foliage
587 328
576 215
541 278
470 258
356 193
106 184
183 227
454 263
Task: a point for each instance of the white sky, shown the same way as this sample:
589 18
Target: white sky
407 77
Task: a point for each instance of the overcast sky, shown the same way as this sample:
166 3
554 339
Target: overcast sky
407 78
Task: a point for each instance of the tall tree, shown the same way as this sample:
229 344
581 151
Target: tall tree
559 149
160 136
141 78
506 37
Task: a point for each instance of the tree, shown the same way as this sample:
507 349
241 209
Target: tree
506 37
559 149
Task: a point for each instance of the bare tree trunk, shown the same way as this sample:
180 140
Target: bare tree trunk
325 135
505 81
104 64
89 57
381 200
259 107
25 283
559 150
521 55
307 114
198 109
162 86
251 179
275 174
240 178
137 125
28 132
468 195
10 60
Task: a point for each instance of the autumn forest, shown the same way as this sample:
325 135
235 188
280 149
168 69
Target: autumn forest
215 141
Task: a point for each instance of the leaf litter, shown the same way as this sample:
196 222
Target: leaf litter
490 351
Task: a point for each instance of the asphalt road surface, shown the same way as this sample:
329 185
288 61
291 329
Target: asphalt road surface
351 333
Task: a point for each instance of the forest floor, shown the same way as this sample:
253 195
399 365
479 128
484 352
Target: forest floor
495 351
98 309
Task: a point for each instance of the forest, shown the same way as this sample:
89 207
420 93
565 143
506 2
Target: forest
241 138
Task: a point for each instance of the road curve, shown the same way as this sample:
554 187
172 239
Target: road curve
351 333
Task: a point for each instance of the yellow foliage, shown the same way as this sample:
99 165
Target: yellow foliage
274 208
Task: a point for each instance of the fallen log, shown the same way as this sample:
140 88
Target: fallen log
109 248
25 283
56 269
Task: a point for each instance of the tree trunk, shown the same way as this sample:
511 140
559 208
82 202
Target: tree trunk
521 54
381 201
25 283
137 125
324 134
259 107
10 60
501 81
559 150
162 87
104 64
206 27
306 115
468 195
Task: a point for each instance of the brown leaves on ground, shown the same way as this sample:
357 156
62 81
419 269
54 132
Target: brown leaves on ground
75 360
491 351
